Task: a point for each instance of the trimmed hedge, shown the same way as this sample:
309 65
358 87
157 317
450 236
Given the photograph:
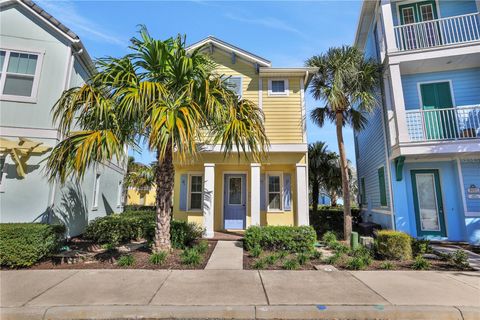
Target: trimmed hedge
331 219
24 244
293 239
132 225
393 245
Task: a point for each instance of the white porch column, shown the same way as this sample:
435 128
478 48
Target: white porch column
208 198
255 194
302 195
388 26
398 103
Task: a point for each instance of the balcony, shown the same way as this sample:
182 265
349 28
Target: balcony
438 32
444 124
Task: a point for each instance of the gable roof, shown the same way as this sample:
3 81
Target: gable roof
72 38
365 19
211 40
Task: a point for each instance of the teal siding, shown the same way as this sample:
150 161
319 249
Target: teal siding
471 176
465 83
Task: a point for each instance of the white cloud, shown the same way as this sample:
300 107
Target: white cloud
268 22
67 13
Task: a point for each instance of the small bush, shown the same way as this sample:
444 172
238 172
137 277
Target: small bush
291 264
259 264
132 225
316 255
420 247
420 263
303 258
272 259
329 237
202 247
356 263
339 247
460 259
335 258
255 252
362 253
282 254
331 219
108 247
393 245
191 257
292 239
24 244
126 261
158 257
387 265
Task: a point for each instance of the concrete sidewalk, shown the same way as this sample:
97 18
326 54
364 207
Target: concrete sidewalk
241 294
227 255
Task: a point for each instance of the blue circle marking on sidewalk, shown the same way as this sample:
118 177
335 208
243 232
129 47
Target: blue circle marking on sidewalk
321 307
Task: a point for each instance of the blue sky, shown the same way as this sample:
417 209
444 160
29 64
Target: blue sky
284 32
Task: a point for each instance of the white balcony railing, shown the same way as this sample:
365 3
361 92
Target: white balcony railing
444 124
438 32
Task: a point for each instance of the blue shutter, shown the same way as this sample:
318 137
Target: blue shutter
183 192
263 203
287 194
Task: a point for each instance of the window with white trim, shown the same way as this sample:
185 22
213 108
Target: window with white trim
19 75
96 190
278 87
195 188
234 83
274 191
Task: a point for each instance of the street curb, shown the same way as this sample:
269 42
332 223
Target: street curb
309 312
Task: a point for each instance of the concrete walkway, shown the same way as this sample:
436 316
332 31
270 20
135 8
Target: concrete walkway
228 255
239 294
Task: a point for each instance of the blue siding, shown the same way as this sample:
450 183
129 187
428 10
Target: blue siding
465 83
447 8
473 230
471 176
454 218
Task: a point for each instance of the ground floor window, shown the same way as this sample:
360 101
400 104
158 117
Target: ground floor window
382 186
196 187
274 191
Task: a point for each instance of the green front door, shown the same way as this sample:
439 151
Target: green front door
427 198
439 123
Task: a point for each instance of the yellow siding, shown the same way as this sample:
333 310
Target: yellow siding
135 197
283 114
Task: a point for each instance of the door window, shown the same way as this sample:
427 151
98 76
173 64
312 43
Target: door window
235 191
427 202
408 15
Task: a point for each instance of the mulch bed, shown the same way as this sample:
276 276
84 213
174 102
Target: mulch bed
249 261
101 259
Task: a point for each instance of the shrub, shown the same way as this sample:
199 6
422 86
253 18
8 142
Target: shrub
255 252
420 247
291 264
282 254
329 237
393 245
202 247
303 258
158 257
420 263
331 219
272 259
460 259
316 255
356 263
362 253
191 257
335 258
339 247
126 260
292 239
387 265
24 244
131 225
259 264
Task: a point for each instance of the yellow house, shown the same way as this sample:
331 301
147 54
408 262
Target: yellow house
230 194
141 197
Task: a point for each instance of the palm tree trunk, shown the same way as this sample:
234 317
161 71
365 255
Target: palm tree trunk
164 180
315 193
333 199
347 215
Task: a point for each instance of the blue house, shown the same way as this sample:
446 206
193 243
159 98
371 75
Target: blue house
422 176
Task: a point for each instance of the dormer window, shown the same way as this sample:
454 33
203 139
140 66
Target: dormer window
278 87
234 83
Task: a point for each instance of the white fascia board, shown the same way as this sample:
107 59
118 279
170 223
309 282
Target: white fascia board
297 147
228 47
432 53
437 148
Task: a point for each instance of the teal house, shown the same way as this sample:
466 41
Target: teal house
39 59
422 174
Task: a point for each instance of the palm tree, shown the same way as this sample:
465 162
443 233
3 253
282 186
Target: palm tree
346 82
164 94
317 155
141 177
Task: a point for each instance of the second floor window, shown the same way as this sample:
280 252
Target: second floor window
278 87
235 84
19 73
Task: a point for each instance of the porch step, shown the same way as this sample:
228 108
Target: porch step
228 255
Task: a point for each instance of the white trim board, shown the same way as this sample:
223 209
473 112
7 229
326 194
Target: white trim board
294 147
